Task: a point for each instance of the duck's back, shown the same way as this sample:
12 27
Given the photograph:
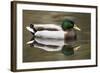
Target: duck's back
50 34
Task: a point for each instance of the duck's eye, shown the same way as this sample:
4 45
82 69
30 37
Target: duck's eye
67 24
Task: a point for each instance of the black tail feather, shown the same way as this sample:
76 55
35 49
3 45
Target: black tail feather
32 26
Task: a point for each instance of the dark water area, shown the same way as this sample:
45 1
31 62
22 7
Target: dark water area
78 49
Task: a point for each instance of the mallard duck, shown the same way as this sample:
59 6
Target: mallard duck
53 31
54 45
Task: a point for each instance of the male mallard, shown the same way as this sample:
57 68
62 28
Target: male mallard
54 45
52 31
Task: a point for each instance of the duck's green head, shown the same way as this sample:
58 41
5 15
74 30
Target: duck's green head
67 50
68 24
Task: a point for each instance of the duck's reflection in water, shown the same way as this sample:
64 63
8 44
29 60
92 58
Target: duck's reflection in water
51 45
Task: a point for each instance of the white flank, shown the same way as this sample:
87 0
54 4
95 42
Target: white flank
54 42
46 26
47 48
50 34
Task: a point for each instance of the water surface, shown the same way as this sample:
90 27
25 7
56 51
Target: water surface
31 53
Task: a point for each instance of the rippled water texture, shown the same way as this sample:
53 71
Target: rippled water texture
74 50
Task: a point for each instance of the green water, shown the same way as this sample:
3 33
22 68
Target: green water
33 54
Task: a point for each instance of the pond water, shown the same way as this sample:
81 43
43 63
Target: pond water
78 49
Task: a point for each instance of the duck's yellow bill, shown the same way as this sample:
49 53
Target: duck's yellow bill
77 28
77 48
